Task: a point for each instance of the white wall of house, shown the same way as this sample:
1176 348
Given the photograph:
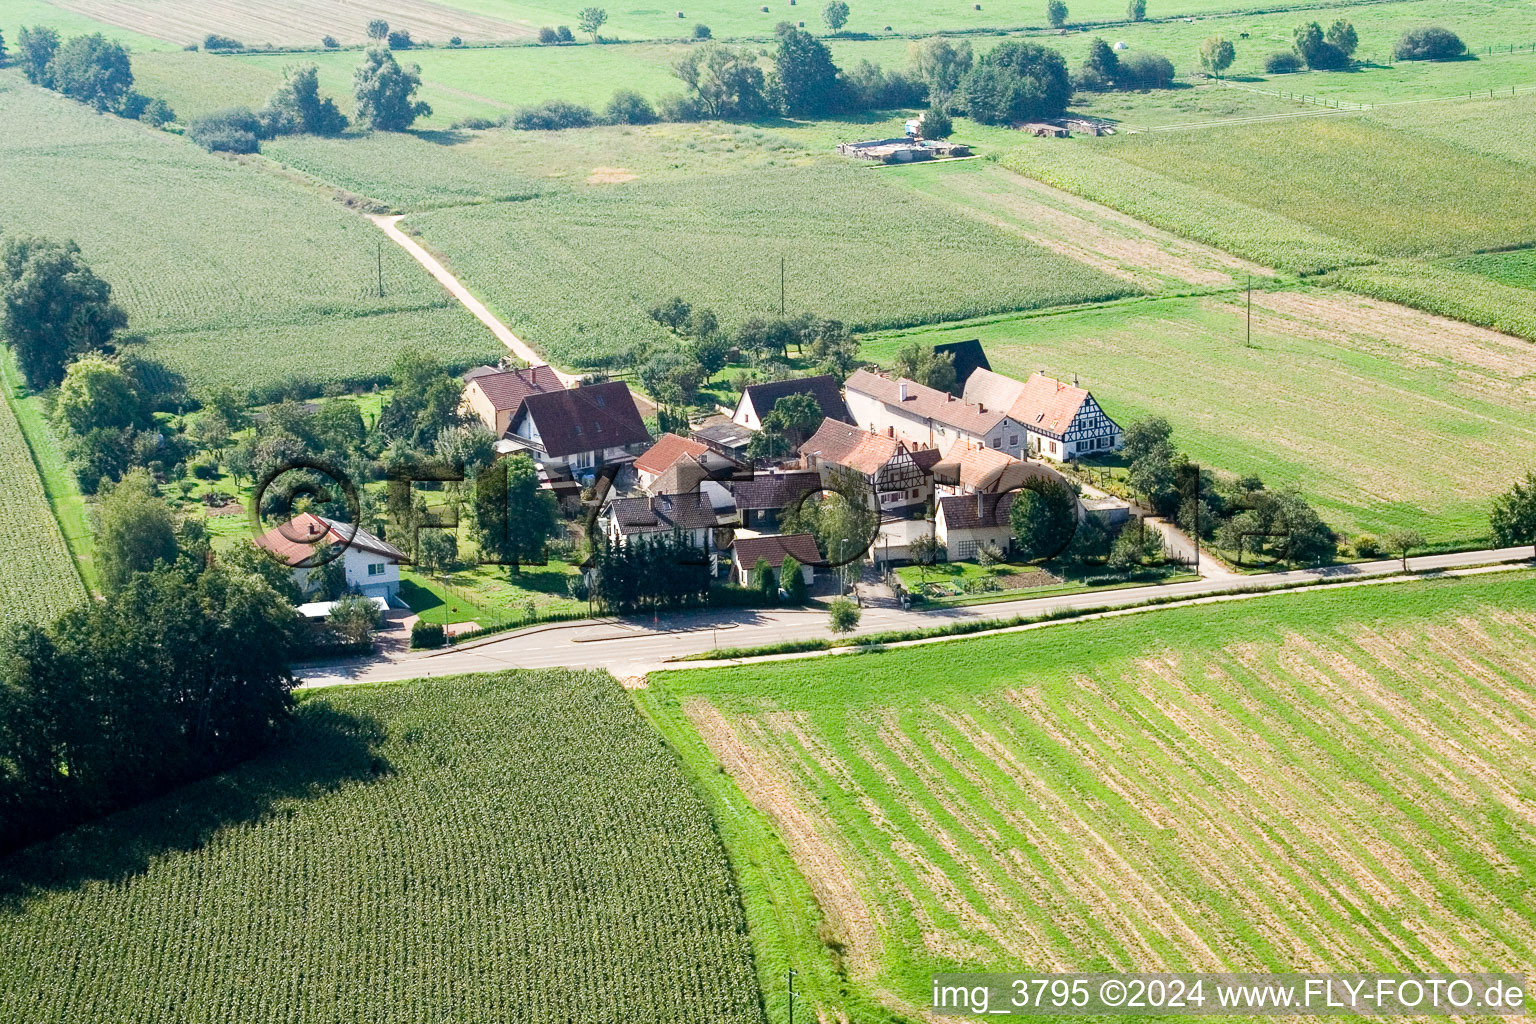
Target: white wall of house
743 574
873 414
369 573
746 415
962 545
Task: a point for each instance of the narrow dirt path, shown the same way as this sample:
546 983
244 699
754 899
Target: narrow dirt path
390 225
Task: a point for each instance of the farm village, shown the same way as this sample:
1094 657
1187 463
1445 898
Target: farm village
763 512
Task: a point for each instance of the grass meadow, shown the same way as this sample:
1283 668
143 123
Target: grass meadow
574 272
512 847
233 277
1383 417
1319 780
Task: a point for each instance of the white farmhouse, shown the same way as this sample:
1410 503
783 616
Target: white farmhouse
372 566
925 417
1061 421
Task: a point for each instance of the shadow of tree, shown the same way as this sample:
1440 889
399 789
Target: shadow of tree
442 136
323 750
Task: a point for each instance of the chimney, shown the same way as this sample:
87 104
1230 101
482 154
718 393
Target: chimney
1074 380
903 386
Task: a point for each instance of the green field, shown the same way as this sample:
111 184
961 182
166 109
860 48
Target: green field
1335 779
1382 417
40 575
509 847
575 272
233 276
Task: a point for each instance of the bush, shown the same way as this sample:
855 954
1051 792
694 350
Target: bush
218 42
427 635
1146 71
629 107
555 115
1282 62
455 41
330 43
563 33
702 32
478 124
232 130
548 36
679 107
1432 43
157 114
1367 545
400 39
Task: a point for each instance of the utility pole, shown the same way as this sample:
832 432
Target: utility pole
781 287
791 995
1249 342
380 253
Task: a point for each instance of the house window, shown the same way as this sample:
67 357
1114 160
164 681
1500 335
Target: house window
997 442
1013 440
967 549
375 568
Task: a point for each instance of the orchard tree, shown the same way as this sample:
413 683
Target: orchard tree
835 14
514 516
378 30
1217 54
1401 542
1056 13
591 19
385 92
54 307
1514 514
792 420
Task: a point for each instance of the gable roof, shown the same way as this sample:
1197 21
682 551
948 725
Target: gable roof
926 403
682 477
969 357
775 490
668 449
975 468
506 389
844 445
774 547
1042 403
296 541
976 511
824 388
725 437
663 513
586 419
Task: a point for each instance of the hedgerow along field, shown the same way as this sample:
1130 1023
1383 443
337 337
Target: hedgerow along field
41 580
234 276
1112 795
510 847
1382 416
575 271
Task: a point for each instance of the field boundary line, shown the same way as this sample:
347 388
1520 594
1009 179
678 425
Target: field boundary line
390 225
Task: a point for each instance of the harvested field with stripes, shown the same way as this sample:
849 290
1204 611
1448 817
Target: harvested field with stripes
1315 781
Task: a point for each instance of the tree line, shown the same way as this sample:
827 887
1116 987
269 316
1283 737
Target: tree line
89 68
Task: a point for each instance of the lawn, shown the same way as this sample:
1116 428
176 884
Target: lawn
516 847
574 273
1383 417
233 276
492 595
1243 787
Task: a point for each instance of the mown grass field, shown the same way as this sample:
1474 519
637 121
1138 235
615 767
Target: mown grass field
575 272
510 847
1322 781
37 572
1383 417
232 275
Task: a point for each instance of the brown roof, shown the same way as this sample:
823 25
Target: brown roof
297 541
975 511
774 547
824 388
775 490
682 477
506 389
665 512
845 445
1042 402
926 458
586 419
926 403
667 450
975 468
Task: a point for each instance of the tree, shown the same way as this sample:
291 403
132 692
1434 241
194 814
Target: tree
792 420
1342 36
936 123
793 580
3 52
1514 514
1056 13
384 92
400 39
1043 518
1136 10
1143 70
1146 435
54 307
135 533
941 65
724 81
35 48
921 363
437 551
835 14
834 349
1101 68
1135 546
924 551
157 114
591 19
1017 81
1152 476
354 618
1429 43
1401 541
672 376
514 516
378 29
297 108
629 107
1217 54
805 79
701 32
93 70
231 130
843 615
1326 50
711 351
97 394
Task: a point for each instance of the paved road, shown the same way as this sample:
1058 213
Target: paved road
632 647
